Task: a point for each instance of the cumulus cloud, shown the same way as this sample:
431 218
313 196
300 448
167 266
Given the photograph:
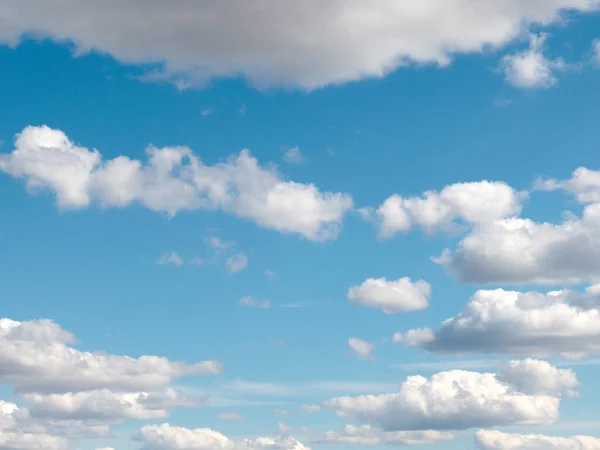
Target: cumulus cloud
453 400
361 348
391 296
35 356
368 436
521 323
236 263
308 44
584 184
167 437
530 68
294 156
173 180
468 203
497 440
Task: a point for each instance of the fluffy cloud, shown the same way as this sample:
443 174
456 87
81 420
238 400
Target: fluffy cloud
391 296
521 323
107 405
471 203
309 44
173 180
497 440
530 68
294 156
35 356
361 348
167 437
366 435
454 400
236 263
584 184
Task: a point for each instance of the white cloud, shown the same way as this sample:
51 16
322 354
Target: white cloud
282 412
219 244
522 323
584 184
596 51
104 404
532 376
530 68
294 156
451 400
170 258
497 440
361 348
251 303
309 44
392 296
167 437
367 436
173 180
309 409
231 415
237 262
35 357
471 203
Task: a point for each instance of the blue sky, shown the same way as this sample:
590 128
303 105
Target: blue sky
295 248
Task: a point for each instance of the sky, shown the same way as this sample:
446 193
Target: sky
293 225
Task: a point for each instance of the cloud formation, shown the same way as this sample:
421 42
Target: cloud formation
360 348
391 296
173 180
497 440
368 436
306 44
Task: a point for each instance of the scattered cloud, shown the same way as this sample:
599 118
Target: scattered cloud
368 436
497 440
266 43
170 259
231 415
217 243
237 262
361 348
531 69
173 180
391 296
522 323
455 400
282 412
293 155
251 303
308 409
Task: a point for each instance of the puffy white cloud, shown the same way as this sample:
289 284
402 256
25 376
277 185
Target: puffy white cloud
521 323
497 440
584 184
533 376
471 203
103 404
530 68
361 348
167 437
294 156
173 180
172 258
367 436
451 400
17 434
236 263
309 43
35 356
391 296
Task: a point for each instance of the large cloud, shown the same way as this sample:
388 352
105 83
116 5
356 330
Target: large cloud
172 180
307 43
521 251
468 203
167 437
367 436
456 400
497 440
391 296
35 356
530 323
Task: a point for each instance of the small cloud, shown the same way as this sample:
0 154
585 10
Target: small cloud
596 52
197 261
531 69
309 409
231 415
282 412
242 110
283 429
206 112
251 303
294 156
397 337
170 258
269 273
361 348
236 262
219 244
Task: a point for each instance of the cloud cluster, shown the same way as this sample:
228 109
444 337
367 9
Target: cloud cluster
461 203
173 180
310 44
457 399
520 323
167 437
391 296
72 392
497 440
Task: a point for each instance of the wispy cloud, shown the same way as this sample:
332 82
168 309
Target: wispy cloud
171 258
